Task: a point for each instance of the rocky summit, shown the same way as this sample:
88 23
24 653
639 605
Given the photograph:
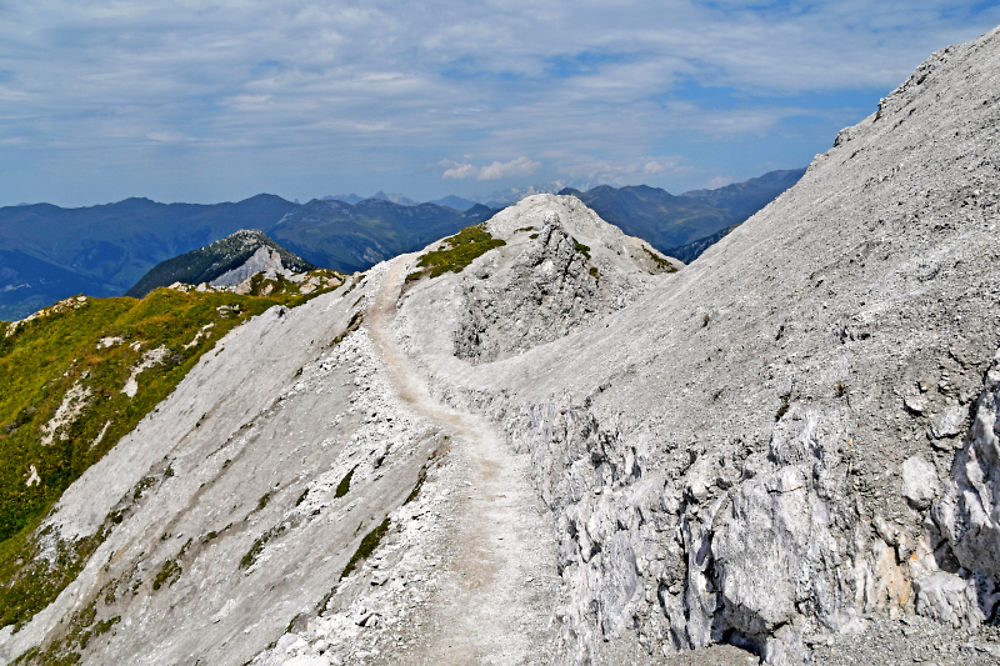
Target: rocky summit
542 441
224 263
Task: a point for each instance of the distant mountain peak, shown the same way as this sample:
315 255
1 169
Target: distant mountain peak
226 262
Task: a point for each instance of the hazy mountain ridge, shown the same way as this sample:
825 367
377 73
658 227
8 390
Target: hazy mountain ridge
355 237
671 221
104 250
114 245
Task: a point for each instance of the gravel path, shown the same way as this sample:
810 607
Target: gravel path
495 595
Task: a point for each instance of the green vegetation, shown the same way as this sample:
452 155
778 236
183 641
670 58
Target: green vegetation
258 546
345 484
93 345
168 574
356 319
663 264
31 581
83 626
456 253
171 569
368 545
581 248
421 477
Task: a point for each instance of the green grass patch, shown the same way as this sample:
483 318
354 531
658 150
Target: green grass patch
456 252
258 546
171 570
93 346
421 477
368 545
581 248
664 265
344 486
167 575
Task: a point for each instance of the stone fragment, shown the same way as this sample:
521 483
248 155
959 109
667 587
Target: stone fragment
950 421
915 403
920 482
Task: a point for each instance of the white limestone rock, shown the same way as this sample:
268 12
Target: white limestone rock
920 482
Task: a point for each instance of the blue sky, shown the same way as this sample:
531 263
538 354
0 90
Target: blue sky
218 100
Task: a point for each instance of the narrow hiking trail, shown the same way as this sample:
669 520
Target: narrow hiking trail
495 599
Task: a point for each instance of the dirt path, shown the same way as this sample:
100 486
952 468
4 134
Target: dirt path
495 598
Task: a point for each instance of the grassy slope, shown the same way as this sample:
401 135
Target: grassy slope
456 252
41 361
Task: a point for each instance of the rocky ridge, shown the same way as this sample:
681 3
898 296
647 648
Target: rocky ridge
784 449
774 466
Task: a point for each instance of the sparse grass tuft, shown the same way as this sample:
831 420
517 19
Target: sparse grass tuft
421 477
368 545
344 486
258 546
783 409
664 265
356 319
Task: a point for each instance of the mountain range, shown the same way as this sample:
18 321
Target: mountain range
670 221
50 253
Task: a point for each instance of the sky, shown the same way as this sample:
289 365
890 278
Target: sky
211 100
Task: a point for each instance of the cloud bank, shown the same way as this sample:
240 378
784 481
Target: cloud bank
206 100
516 168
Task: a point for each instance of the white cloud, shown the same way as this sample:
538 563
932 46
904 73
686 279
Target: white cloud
516 168
586 172
522 166
166 137
460 171
309 91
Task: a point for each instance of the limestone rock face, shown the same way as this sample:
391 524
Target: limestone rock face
920 483
969 512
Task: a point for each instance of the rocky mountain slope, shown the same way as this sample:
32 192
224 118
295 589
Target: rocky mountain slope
542 440
226 262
